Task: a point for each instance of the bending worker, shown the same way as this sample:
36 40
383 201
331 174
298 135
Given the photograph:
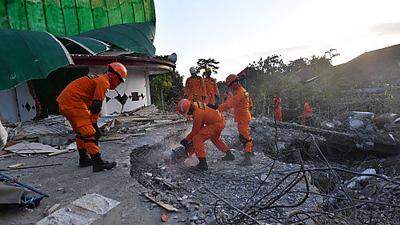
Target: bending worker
80 102
241 103
207 124
194 87
212 92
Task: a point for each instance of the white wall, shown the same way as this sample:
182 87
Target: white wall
136 82
9 106
17 104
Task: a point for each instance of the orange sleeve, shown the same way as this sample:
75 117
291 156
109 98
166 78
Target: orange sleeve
101 89
227 104
197 124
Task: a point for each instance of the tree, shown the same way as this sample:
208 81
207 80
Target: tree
166 89
211 63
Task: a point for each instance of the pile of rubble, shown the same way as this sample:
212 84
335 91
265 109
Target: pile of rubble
298 177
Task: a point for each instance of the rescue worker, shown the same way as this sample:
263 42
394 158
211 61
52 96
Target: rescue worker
212 91
207 124
278 109
307 113
194 87
80 102
241 103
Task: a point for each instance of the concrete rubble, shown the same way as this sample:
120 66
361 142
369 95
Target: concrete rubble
329 174
90 209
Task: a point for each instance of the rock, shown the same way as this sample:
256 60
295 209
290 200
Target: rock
90 209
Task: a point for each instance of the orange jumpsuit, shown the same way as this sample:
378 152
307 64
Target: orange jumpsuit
241 103
278 109
211 90
308 112
195 89
74 102
207 124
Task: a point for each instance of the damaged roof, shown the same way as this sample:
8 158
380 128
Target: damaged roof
80 26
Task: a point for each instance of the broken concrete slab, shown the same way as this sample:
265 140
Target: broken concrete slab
92 209
31 148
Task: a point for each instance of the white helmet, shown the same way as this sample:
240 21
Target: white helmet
193 70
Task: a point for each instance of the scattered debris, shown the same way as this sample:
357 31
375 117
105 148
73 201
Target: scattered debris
3 136
15 165
163 205
52 209
21 167
31 148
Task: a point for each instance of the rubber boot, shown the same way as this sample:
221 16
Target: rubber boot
84 160
228 156
100 165
246 160
202 166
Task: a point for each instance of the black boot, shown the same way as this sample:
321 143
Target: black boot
100 165
84 160
202 166
228 156
246 161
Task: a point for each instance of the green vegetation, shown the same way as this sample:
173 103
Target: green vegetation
166 89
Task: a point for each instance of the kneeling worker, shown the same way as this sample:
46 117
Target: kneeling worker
207 124
80 102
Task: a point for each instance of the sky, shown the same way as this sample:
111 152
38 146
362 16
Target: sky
238 32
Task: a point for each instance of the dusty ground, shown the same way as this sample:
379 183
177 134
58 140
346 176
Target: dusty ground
66 183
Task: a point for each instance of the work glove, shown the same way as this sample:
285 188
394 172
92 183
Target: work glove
98 131
185 143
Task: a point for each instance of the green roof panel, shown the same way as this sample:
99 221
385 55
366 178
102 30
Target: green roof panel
130 37
37 55
72 17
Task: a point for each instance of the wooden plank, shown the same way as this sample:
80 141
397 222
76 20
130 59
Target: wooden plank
15 165
127 11
54 17
114 12
70 17
58 153
163 205
4 23
16 14
100 17
138 11
85 16
35 15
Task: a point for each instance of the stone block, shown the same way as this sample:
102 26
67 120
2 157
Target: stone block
92 209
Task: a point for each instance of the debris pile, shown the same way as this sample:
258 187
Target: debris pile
297 178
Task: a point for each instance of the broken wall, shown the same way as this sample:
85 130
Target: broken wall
17 104
133 94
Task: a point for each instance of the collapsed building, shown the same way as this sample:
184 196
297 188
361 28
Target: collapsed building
46 45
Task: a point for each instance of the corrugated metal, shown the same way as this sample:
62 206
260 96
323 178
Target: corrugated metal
72 17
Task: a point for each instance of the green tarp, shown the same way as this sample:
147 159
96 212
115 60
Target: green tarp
137 38
72 17
27 55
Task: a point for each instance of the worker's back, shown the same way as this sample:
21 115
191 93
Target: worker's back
80 93
206 115
194 88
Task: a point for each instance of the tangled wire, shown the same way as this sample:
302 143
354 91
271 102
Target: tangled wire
373 200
